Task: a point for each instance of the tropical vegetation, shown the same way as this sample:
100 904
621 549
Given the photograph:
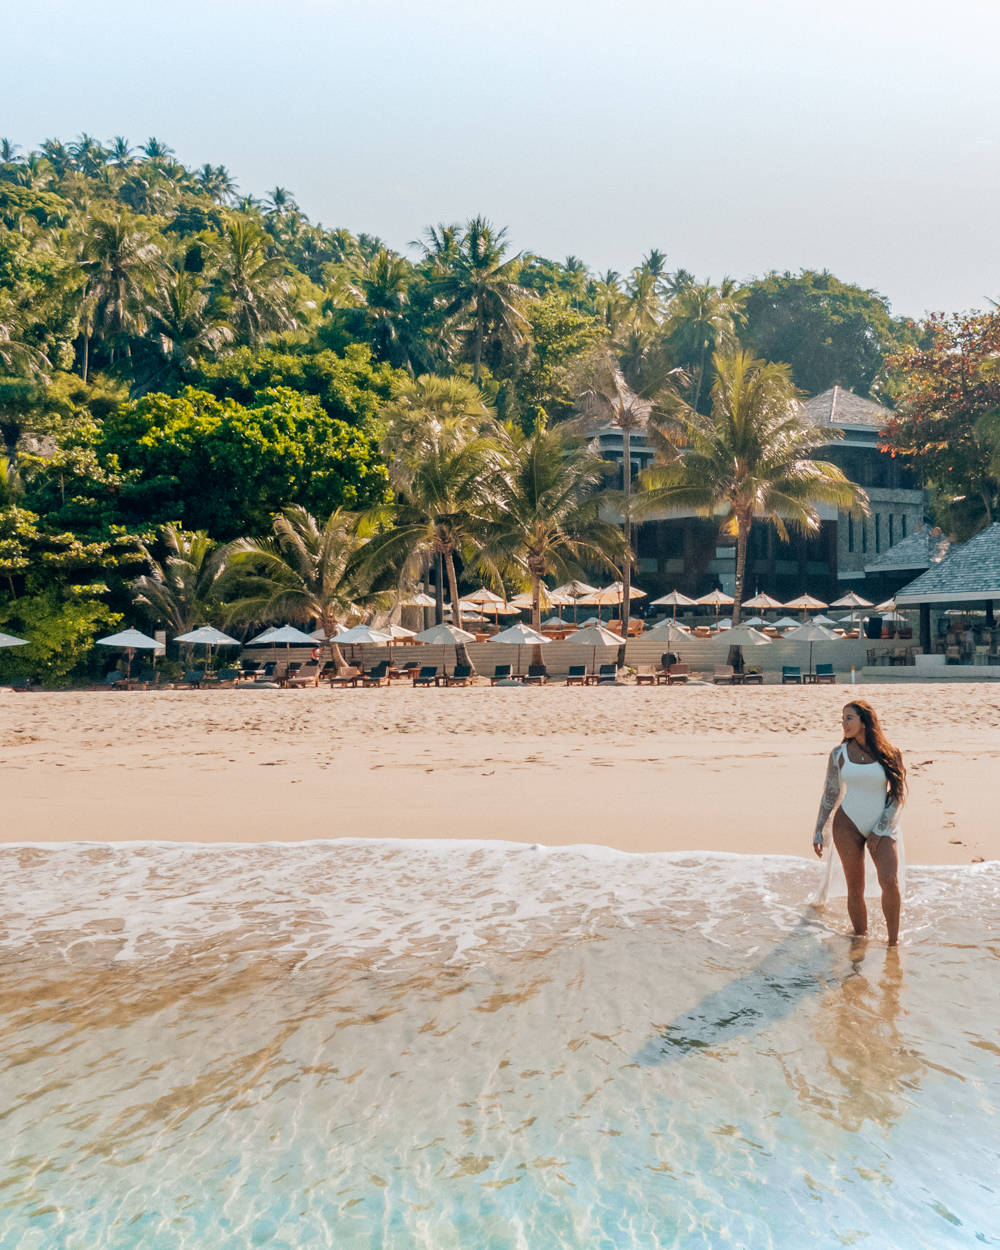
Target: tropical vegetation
214 408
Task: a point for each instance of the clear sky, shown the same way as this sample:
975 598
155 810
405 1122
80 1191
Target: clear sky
739 137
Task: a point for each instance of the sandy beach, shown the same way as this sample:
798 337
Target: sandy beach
634 769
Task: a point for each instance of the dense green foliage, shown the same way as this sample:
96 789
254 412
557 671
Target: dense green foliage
172 352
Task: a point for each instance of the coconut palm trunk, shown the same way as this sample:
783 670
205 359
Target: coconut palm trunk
627 527
461 651
537 568
742 534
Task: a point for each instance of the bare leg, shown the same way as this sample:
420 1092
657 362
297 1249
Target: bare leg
851 849
883 853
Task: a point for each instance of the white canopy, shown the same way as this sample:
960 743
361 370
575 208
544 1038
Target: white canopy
128 638
420 601
764 602
667 631
809 631
595 636
208 635
287 633
676 599
520 635
787 622
575 590
715 598
744 636
851 600
8 640
444 633
362 633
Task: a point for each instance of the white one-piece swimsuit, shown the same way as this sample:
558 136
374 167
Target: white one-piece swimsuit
864 800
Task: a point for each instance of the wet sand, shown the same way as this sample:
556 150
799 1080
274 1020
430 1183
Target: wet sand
664 769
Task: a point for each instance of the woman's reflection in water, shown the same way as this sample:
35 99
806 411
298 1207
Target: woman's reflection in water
869 1064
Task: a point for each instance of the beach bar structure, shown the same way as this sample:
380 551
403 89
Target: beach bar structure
968 574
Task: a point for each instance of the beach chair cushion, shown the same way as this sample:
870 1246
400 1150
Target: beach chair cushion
723 673
500 673
193 678
426 676
461 676
536 674
790 673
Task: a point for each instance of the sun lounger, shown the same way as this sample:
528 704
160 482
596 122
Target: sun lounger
753 676
537 675
308 675
791 675
577 675
678 673
723 675
346 677
328 670
111 681
24 683
460 677
376 676
607 674
824 675
249 668
227 677
428 676
500 673
645 676
268 671
194 678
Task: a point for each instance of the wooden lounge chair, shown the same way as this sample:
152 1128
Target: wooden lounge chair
537 675
428 676
328 670
346 677
267 673
723 675
24 683
228 677
250 668
678 673
308 675
645 676
410 669
791 675
500 673
460 677
376 676
111 681
577 675
753 676
195 678
607 674
825 674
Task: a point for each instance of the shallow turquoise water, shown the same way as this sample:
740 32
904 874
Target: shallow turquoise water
464 1045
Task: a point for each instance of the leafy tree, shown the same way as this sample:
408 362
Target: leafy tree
749 456
830 332
561 336
123 265
546 518
442 473
702 320
61 628
254 283
184 324
217 465
947 401
350 387
481 285
184 589
308 572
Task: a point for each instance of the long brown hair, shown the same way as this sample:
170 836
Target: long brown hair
883 750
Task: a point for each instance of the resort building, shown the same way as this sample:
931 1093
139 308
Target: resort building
684 551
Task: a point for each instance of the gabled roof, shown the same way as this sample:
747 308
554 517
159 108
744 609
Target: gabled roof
839 407
969 571
920 550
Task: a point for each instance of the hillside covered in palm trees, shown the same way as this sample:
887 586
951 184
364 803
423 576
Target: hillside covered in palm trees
181 364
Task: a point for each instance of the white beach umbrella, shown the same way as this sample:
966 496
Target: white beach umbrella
594 636
888 606
286 634
358 635
209 637
132 641
747 636
716 598
667 631
420 600
318 634
444 633
554 622
262 639
753 620
8 640
520 635
787 622
851 600
675 599
811 632
805 602
823 620
397 631
763 602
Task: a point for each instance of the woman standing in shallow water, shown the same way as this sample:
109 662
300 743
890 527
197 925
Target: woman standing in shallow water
864 794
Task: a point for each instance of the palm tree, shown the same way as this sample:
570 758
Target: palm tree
547 516
749 456
90 155
702 318
121 152
8 151
443 470
309 571
254 283
185 590
157 151
184 324
372 291
480 284
217 182
123 268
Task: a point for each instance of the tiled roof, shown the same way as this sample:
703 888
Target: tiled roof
839 407
920 550
969 571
